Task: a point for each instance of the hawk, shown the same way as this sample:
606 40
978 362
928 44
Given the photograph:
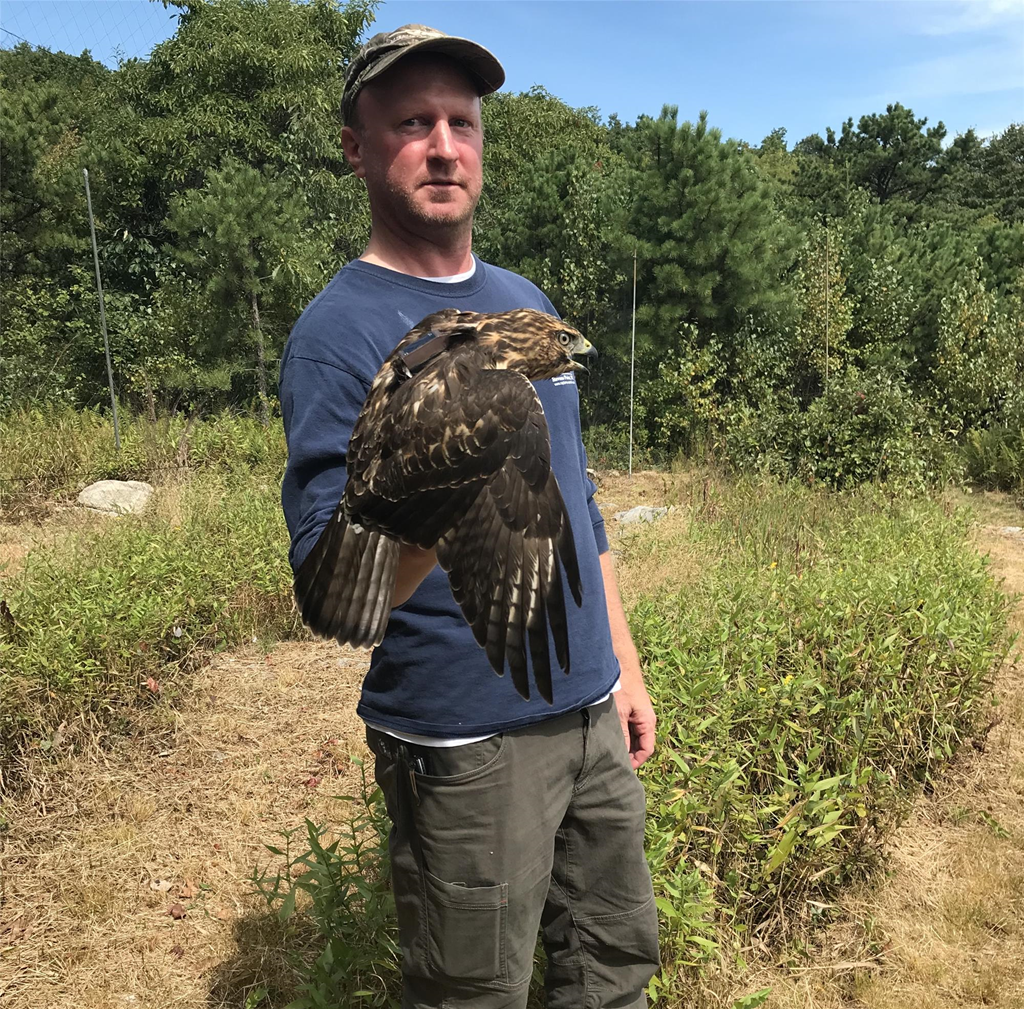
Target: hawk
451 451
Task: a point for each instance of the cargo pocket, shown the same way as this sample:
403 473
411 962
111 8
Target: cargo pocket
466 928
621 950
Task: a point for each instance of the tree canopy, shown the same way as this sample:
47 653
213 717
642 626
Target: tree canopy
776 285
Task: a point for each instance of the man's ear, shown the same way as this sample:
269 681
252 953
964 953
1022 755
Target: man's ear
353 148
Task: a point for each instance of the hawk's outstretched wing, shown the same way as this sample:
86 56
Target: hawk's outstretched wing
504 560
345 585
458 457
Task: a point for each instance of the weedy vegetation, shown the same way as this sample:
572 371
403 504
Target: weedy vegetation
815 659
345 890
121 610
52 452
833 654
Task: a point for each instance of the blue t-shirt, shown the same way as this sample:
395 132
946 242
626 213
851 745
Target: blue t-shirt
428 675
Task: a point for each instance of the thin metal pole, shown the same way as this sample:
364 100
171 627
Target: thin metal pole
632 361
103 312
827 264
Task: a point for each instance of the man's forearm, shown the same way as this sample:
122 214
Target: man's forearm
636 713
622 638
414 565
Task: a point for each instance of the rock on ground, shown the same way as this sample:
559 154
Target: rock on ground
116 497
641 513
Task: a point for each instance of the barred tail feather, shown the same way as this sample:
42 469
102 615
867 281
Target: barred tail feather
345 586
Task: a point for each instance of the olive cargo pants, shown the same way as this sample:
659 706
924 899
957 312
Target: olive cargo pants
540 827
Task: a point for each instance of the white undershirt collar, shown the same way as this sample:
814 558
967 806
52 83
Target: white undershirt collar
454 279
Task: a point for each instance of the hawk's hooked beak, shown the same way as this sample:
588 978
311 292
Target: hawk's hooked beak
584 348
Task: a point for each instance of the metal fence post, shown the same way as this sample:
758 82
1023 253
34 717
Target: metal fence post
103 312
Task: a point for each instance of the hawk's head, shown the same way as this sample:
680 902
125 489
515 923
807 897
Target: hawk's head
535 343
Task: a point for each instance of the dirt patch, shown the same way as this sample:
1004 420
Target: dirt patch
263 742
658 556
617 491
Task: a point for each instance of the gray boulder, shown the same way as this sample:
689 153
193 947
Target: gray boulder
641 513
116 497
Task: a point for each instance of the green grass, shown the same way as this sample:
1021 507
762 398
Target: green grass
139 596
55 452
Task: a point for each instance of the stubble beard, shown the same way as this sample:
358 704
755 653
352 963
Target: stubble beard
454 216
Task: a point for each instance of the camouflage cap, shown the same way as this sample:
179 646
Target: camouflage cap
385 49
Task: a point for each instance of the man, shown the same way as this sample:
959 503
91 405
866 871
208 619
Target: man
509 815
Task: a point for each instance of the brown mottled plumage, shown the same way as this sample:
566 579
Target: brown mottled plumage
451 450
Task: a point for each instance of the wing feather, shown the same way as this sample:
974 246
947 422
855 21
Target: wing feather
456 456
505 561
536 622
345 585
515 641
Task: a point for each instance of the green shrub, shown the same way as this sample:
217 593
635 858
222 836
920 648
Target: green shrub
763 438
91 618
682 406
607 447
51 338
994 458
978 369
54 452
866 427
833 655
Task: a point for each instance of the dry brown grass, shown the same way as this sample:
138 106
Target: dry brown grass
658 556
619 491
81 925
41 525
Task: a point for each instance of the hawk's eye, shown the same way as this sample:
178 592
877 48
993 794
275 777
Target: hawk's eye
564 338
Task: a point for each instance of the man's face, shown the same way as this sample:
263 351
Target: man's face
418 143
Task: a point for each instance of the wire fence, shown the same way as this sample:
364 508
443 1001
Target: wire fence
112 30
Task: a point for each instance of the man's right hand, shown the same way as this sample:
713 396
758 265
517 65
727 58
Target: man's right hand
414 565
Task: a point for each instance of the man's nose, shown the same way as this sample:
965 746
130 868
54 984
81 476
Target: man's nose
441 143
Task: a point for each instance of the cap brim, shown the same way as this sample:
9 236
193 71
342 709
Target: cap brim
481 63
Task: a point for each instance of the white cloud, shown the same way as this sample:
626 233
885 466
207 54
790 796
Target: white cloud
958 17
993 67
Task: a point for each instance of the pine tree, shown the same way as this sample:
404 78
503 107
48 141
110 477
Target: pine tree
522 132
567 235
243 244
712 247
889 155
990 177
48 103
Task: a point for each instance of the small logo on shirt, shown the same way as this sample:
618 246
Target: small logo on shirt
566 378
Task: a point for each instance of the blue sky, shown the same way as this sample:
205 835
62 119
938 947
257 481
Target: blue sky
753 64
